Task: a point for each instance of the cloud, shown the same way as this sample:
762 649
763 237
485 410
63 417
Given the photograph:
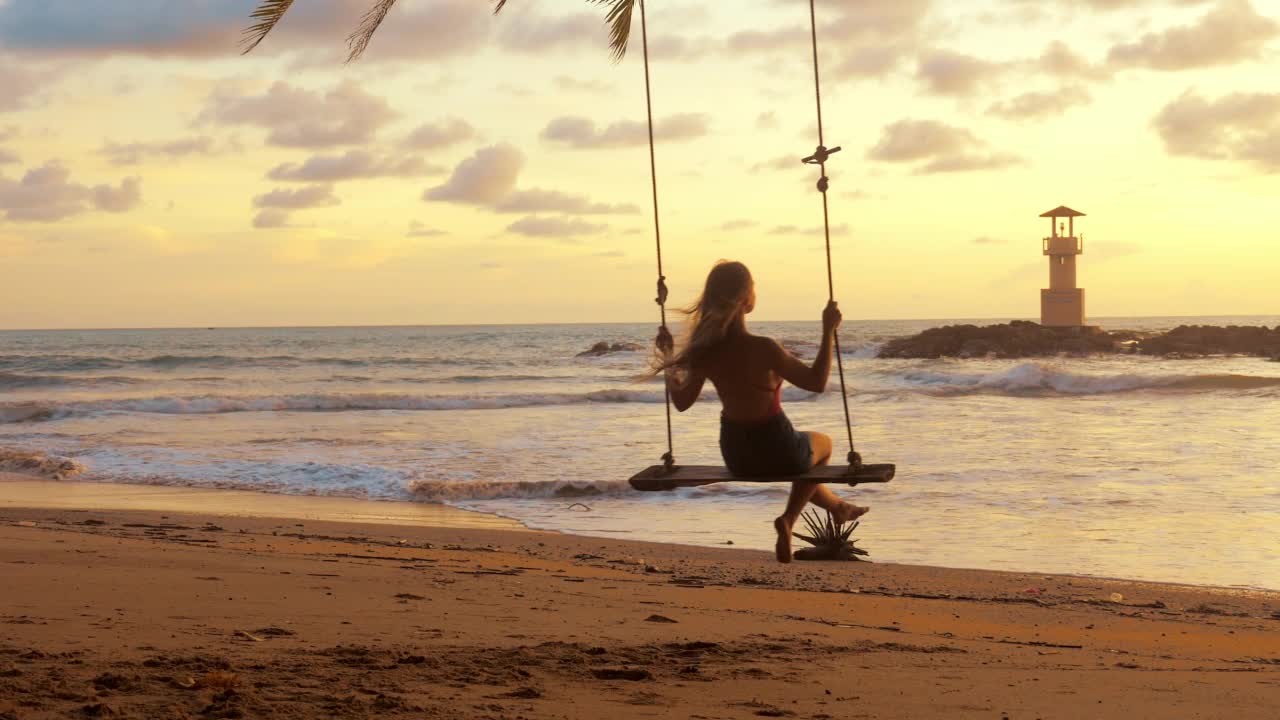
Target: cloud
944 72
580 132
297 117
1059 61
1230 33
415 31
756 41
910 140
430 136
1037 105
571 84
836 230
419 230
554 227
312 196
117 200
209 28
18 83
351 165
7 157
1243 127
271 218
134 153
46 194
781 162
740 224
937 147
489 178
482 179
869 38
988 240
679 48
1115 5
533 201
530 33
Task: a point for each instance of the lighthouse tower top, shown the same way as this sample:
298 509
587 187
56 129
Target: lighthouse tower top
1062 211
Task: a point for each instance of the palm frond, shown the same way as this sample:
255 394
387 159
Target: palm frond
618 18
358 41
267 15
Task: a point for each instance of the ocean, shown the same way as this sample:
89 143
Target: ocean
1118 466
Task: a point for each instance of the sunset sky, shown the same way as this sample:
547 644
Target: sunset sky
481 169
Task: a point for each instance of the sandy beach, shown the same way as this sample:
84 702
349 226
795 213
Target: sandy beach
184 613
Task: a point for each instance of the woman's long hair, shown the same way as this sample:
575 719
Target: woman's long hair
709 318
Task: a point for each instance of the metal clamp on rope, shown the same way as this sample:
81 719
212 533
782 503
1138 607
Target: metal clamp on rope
662 290
820 156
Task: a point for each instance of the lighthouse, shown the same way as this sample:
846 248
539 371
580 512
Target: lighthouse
1062 303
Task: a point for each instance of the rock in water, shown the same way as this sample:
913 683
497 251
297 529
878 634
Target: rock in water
604 348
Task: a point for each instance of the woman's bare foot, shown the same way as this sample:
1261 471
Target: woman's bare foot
847 512
783 548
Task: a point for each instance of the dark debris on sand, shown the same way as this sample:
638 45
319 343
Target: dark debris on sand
358 681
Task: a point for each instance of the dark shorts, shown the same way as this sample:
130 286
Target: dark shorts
764 449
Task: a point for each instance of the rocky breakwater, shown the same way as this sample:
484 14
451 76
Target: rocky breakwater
1201 340
1022 339
1018 339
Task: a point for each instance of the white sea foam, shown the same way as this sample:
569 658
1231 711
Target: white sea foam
1038 378
215 404
448 491
39 464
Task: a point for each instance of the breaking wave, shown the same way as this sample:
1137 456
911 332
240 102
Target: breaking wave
449 492
79 363
1038 379
214 404
50 467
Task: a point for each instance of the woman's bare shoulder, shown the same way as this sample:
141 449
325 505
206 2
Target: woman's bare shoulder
764 345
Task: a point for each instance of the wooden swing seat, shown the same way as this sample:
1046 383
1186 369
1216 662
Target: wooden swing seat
658 478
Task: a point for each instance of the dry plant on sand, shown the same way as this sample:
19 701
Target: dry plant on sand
830 540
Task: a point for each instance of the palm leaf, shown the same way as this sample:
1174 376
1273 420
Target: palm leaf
358 41
267 15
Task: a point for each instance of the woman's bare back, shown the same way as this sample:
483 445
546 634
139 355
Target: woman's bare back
745 374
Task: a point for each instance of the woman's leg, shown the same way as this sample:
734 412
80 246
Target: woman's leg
803 493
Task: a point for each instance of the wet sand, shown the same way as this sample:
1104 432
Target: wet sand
141 612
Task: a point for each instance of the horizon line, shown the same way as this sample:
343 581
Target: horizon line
612 322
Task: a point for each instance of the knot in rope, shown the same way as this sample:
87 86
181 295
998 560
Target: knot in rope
662 290
820 155
855 461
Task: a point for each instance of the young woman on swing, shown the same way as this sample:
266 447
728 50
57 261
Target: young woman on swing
756 438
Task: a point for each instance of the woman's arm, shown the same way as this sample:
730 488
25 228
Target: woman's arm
683 394
812 378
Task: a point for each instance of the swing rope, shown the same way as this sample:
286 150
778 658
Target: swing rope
819 158
669 459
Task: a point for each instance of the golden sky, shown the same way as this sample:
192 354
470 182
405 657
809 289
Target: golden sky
481 169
